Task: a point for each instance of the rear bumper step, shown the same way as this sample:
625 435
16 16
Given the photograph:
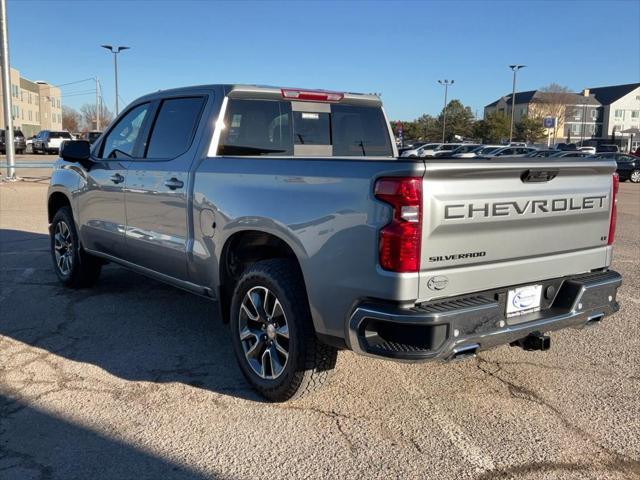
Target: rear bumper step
459 328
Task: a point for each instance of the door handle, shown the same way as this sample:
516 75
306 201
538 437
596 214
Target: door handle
174 183
116 178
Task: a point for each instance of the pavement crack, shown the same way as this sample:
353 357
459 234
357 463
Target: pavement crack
337 418
627 464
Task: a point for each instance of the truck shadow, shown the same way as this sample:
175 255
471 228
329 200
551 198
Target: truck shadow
40 445
133 327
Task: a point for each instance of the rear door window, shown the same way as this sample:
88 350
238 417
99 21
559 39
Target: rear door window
174 127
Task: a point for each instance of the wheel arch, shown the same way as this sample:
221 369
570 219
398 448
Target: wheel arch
55 202
243 249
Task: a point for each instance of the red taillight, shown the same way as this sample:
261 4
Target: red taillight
614 210
311 95
399 247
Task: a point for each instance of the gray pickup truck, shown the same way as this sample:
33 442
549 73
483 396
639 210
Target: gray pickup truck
292 210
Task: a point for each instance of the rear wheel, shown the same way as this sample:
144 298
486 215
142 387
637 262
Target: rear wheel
74 267
635 176
273 335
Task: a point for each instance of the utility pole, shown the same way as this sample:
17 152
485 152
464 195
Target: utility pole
97 104
115 51
446 84
6 88
515 69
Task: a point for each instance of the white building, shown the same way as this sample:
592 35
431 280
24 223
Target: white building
620 110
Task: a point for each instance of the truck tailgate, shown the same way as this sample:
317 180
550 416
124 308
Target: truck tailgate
481 217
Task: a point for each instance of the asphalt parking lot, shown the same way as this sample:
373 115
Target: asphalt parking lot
135 379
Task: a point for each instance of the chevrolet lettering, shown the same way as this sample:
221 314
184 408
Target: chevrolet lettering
291 209
510 208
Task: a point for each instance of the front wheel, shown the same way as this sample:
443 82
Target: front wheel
635 176
74 267
273 335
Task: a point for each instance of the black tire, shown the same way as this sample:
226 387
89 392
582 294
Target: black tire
83 269
634 176
309 362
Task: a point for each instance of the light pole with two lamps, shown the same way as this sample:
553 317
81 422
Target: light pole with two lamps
446 84
515 69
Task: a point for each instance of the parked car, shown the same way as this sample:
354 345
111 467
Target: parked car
29 144
541 153
444 150
418 152
461 150
19 142
566 146
570 154
510 152
206 189
411 145
49 141
91 136
628 165
590 150
478 151
607 148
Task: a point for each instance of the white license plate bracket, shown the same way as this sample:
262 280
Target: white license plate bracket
523 300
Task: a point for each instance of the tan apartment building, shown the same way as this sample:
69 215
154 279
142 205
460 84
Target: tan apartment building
36 105
573 112
596 115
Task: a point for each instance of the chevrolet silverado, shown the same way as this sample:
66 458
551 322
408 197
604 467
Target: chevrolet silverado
292 210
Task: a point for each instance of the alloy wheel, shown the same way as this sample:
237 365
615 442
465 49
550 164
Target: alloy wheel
63 248
264 333
635 176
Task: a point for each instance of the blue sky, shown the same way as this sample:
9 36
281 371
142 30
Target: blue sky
399 49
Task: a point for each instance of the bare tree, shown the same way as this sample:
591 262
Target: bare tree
554 101
71 119
88 111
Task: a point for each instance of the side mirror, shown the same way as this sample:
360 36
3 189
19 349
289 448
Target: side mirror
77 151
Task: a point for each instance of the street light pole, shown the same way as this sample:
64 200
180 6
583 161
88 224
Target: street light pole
6 88
515 69
115 51
97 104
446 84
